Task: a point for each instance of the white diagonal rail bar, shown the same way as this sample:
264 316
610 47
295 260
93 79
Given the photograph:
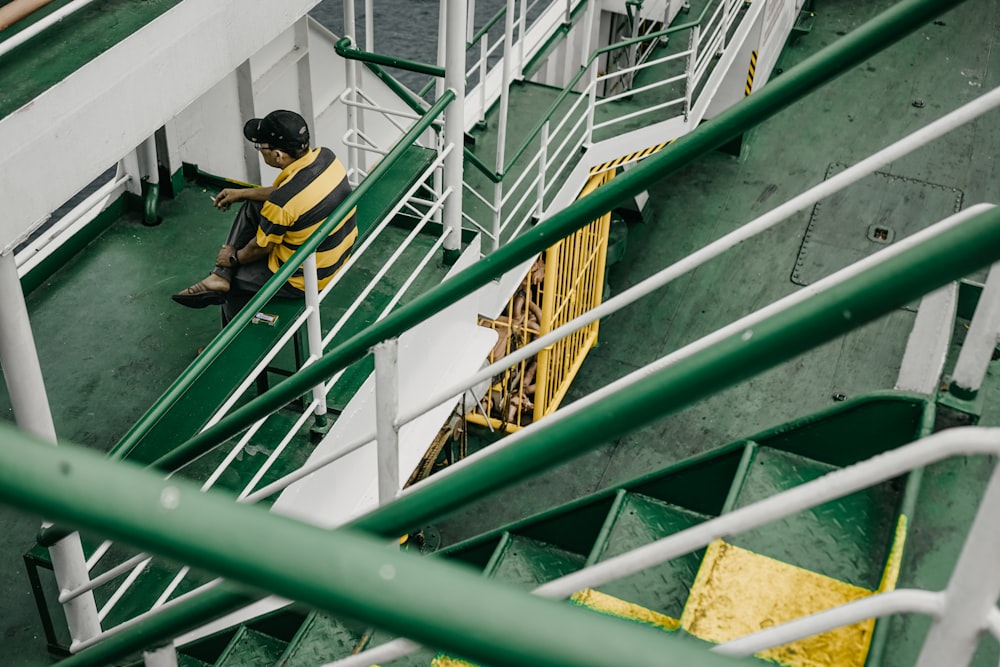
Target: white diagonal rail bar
836 484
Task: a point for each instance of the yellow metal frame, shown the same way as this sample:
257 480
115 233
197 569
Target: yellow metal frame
565 282
574 284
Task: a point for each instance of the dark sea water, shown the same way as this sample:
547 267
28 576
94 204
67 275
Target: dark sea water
403 28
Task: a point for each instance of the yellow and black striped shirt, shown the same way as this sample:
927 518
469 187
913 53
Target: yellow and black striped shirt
306 193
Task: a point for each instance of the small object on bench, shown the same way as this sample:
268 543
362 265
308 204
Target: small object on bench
264 318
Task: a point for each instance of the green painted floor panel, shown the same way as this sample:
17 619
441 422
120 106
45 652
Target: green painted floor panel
184 660
47 59
250 648
639 521
847 227
527 562
847 539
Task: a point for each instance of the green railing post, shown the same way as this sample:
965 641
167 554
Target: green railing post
835 59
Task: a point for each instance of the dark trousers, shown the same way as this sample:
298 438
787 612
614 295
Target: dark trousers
247 279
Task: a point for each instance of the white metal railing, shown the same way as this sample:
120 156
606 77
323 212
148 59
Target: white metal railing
982 547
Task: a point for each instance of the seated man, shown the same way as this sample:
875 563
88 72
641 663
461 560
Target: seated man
274 221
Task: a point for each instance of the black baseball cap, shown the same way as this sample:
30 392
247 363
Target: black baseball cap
282 129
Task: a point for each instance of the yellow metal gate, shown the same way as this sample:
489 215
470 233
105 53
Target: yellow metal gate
567 280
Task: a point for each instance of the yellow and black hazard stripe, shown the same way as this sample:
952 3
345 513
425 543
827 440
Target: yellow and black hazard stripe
631 157
753 66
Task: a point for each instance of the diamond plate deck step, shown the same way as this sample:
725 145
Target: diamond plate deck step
250 648
846 539
321 639
529 562
638 520
184 660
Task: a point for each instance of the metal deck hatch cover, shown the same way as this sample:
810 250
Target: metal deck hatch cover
866 217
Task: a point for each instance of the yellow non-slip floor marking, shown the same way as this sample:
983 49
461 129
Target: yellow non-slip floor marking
738 592
446 661
631 157
895 560
612 606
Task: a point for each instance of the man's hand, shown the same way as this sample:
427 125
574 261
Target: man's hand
227 198
222 259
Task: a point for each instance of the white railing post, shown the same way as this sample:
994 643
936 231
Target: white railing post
314 332
497 216
588 32
508 41
591 105
726 10
543 159
484 50
972 590
691 66
454 127
980 342
353 164
386 410
165 656
522 25
569 12
470 23
23 375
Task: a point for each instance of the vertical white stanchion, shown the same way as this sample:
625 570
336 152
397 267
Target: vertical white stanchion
353 164
454 128
972 591
522 26
591 104
23 375
386 411
691 66
543 158
165 656
314 332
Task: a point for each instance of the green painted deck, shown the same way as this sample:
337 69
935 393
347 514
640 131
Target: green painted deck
110 340
47 59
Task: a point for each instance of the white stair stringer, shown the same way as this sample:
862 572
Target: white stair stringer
435 354
927 347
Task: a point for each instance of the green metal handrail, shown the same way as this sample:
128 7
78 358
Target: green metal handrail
344 573
877 34
343 49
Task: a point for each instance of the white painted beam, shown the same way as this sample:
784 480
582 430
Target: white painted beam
63 139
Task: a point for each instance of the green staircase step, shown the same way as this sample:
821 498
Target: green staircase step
185 660
636 521
251 648
529 562
320 639
846 539
146 590
423 657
